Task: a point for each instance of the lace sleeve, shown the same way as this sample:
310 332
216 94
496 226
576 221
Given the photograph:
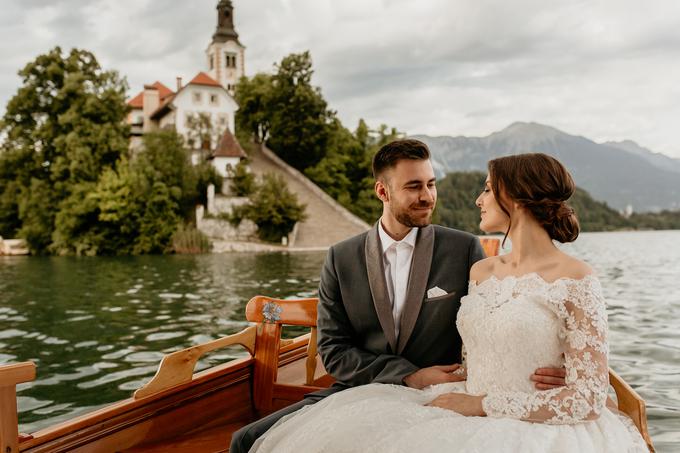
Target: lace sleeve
581 308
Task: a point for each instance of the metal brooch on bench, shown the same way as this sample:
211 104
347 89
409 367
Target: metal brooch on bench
271 312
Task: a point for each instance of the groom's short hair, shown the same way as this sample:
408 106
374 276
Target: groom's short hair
391 153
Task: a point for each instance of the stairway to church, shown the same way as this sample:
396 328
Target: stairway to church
327 222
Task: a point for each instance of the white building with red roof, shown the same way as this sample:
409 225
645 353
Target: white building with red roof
207 94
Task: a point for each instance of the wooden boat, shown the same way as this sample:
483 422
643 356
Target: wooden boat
179 411
13 247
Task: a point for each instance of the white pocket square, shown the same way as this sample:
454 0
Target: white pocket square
435 292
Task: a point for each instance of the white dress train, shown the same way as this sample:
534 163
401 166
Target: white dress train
510 327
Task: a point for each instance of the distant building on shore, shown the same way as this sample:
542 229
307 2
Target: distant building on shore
207 97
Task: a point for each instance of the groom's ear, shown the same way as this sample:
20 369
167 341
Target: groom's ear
381 191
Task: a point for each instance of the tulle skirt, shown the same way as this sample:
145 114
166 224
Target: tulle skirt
394 419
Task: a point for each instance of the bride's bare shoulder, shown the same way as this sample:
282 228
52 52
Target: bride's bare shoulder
573 268
484 269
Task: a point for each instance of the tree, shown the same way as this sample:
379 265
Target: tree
63 128
104 219
165 159
242 180
205 175
300 124
287 112
273 208
137 207
202 134
456 195
255 98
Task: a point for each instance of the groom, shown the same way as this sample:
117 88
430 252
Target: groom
388 298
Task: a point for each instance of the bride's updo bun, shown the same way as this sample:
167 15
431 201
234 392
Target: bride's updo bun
542 185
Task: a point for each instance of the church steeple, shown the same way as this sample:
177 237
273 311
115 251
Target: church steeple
225 54
225 23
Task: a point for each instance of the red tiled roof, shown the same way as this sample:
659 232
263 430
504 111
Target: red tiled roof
229 146
137 102
163 94
204 79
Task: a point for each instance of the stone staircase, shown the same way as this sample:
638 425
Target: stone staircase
327 221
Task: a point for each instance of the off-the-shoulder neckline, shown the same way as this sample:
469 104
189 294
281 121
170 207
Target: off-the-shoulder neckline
493 277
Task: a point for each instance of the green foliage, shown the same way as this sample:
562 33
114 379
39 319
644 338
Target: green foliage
273 208
206 174
664 220
242 180
456 195
158 221
287 112
36 213
458 191
164 159
132 209
187 239
255 99
62 129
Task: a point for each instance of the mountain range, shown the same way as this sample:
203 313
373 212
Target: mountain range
619 173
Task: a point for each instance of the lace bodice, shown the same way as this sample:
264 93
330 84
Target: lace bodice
512 326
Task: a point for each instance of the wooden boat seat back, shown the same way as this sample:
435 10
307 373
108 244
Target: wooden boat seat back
631 404
10 376
491 246
271 315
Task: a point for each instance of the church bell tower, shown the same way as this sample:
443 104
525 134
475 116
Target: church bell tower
225 53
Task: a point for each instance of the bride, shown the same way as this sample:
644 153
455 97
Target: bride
531 307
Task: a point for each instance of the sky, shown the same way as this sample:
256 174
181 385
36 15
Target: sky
603 69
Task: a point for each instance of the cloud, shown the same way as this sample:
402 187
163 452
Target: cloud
601 69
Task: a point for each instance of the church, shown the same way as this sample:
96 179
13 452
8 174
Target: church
207 97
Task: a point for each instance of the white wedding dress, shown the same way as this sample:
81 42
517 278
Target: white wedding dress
510 327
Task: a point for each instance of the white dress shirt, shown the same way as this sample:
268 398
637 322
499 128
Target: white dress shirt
397 258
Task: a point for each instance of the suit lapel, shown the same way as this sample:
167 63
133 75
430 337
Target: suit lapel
376 281
417 283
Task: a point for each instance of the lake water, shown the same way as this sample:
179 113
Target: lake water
97 327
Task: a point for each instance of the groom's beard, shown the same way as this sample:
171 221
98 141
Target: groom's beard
413 216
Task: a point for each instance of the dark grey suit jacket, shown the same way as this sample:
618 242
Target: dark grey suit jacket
356 335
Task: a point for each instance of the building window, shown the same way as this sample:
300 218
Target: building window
197 98
222 119
212 62
214 100
230 87
230 60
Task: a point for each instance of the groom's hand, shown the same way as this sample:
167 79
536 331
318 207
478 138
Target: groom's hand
438 374
549 378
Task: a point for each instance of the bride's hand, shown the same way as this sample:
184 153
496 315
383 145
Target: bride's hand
438 374
468 405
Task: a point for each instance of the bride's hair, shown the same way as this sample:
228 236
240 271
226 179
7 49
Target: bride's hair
542 185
